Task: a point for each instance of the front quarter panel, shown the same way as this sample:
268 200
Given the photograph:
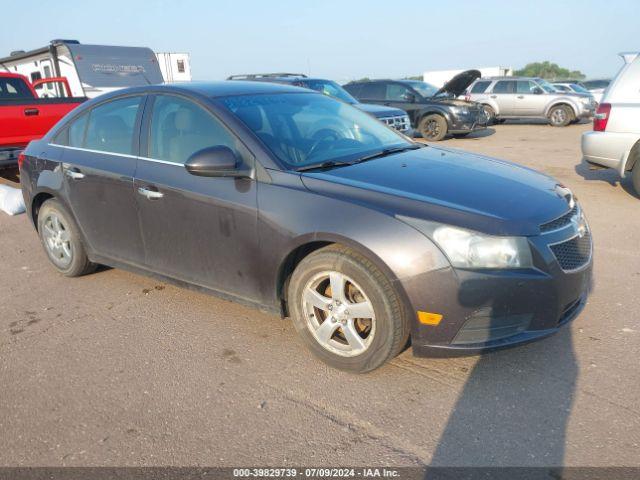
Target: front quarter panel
291 216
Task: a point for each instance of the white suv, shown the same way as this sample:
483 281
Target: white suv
615 139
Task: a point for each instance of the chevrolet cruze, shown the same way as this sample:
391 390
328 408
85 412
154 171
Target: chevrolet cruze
303 205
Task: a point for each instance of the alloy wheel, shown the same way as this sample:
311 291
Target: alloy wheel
57 240
339 314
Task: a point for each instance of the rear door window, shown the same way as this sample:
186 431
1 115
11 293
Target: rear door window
505 86
111 126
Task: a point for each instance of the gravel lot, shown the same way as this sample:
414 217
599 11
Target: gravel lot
118 369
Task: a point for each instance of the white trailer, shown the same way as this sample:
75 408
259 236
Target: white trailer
438 78
175 67
90 69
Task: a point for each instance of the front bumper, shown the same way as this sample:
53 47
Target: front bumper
587 111
485 310
9 157
468 123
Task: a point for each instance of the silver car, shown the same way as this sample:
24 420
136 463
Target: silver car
527 97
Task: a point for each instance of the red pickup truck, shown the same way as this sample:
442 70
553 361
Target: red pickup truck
24 116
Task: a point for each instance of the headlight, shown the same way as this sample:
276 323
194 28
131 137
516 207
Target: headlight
469 249
461 110
586 101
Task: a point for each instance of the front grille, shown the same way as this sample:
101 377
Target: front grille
559 222
400 122
574 253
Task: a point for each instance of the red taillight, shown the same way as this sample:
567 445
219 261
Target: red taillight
21 158
601 117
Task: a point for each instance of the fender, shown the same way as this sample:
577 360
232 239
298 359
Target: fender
437 109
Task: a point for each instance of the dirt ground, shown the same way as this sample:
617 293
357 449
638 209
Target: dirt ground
118 369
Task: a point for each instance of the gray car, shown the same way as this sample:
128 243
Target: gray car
529 98
292 201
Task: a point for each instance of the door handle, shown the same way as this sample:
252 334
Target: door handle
520 96
74 173
494 96
29 112
150 194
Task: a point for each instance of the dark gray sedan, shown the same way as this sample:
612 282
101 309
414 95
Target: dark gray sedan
297 203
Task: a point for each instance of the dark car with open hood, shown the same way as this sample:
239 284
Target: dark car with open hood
434 113
300 204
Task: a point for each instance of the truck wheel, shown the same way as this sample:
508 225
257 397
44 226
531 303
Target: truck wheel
560 116
346 310
635 177
433 127
60 238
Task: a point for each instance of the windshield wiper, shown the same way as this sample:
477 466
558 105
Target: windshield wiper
329 164
381 153
389 151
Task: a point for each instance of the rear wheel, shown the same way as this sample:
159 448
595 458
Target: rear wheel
560 116
60 238
346 310
433 127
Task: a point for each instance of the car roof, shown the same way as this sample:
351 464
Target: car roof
235 87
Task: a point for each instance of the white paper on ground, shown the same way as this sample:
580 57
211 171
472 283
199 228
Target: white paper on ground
11 200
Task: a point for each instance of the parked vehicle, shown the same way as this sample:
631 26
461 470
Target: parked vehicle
597 87
24 116
393 117
435 113
572 87
363 237
615 139
529 98
90 69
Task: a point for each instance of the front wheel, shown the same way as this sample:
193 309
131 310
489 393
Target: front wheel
560 116
433 127
60 238
346 310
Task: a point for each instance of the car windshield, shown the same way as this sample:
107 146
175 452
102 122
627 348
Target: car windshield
330 88
423 88
579 88
547 87
304 129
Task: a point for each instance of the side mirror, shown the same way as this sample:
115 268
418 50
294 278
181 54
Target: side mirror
218 161
538 91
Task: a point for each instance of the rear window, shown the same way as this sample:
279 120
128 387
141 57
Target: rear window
480 87
14 88
505 86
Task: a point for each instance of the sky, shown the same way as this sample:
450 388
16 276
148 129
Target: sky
341 40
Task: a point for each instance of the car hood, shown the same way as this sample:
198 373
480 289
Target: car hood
451 187
458 84
379 111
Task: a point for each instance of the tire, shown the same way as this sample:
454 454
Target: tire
490 114
635 177
383 329
61 240
433 127
560 116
